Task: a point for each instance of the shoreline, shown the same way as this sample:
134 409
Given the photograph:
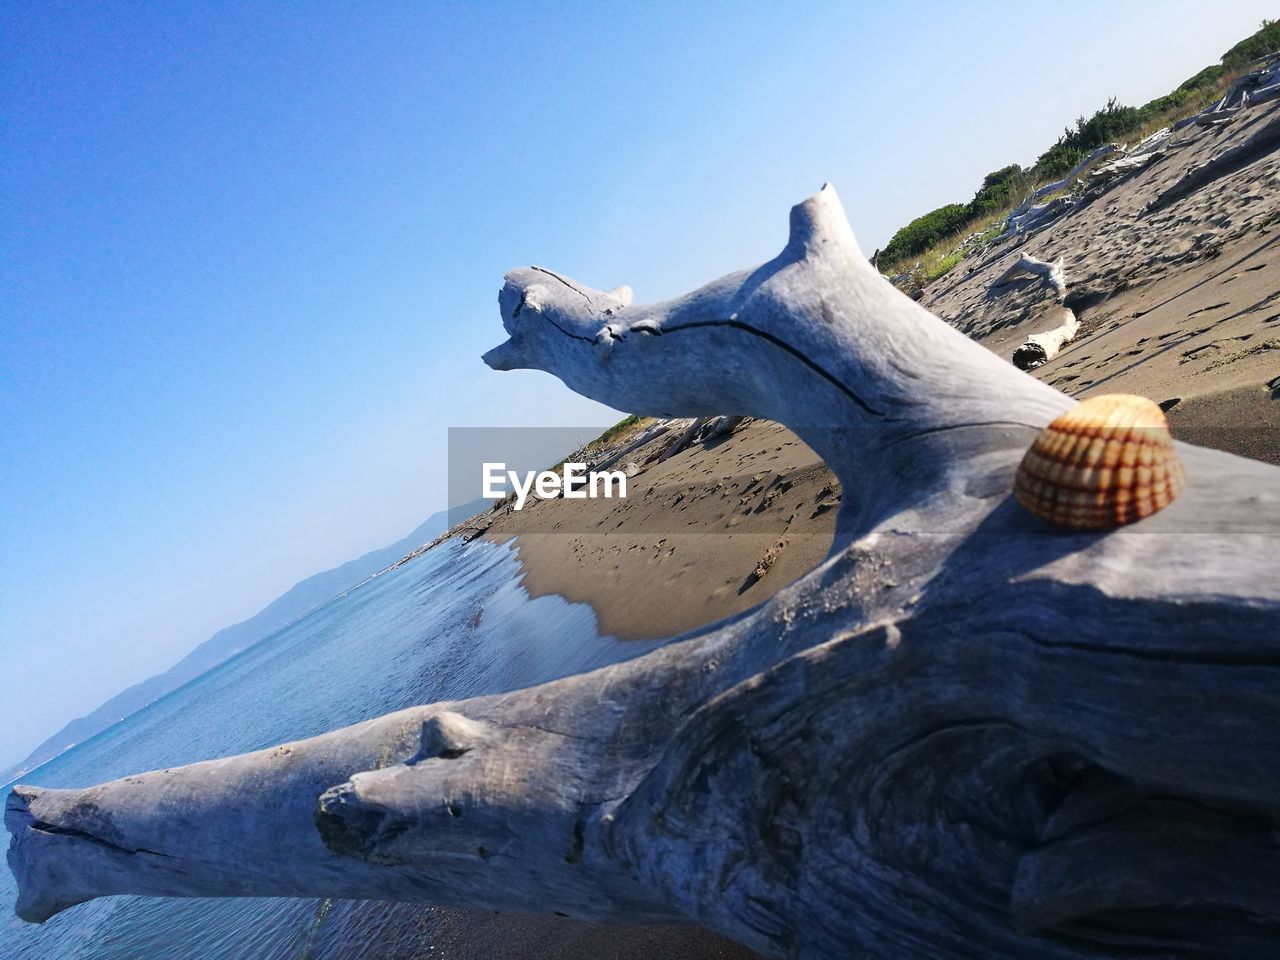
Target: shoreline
685 548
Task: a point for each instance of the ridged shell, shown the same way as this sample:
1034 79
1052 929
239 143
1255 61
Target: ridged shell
1106 462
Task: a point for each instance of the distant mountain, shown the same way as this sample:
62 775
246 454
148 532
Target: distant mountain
298 601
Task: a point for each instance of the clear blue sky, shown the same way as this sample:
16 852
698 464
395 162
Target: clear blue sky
250 252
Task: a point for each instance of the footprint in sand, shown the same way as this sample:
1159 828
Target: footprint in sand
1216 346
1214 306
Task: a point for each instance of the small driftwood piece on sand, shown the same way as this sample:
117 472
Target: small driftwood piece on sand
1039 348
966 734
1052 274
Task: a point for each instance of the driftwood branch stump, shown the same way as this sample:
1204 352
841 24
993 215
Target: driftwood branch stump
966 734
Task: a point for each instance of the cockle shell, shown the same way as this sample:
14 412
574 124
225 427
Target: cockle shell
1106 462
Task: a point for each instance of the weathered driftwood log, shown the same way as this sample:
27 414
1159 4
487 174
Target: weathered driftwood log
1151 143
1052 274
1123 166
704 428
655 431
1039 348
723 426
1216 118
1039 216
685 438
1258 86
1067 180
966 734
1029 215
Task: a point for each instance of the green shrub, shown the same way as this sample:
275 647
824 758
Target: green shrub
1170 101
1057 160
1183 94
1266 40
1205 78
997 191
624 424
923 232
1112 122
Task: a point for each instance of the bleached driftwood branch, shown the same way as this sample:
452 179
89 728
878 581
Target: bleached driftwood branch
1067 180
1039 348
1030 215
966 734
1052 274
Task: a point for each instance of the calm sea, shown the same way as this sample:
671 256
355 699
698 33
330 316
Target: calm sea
453 623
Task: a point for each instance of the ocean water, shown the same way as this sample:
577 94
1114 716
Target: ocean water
452 623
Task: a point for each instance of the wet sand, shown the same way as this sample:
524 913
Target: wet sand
684 547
